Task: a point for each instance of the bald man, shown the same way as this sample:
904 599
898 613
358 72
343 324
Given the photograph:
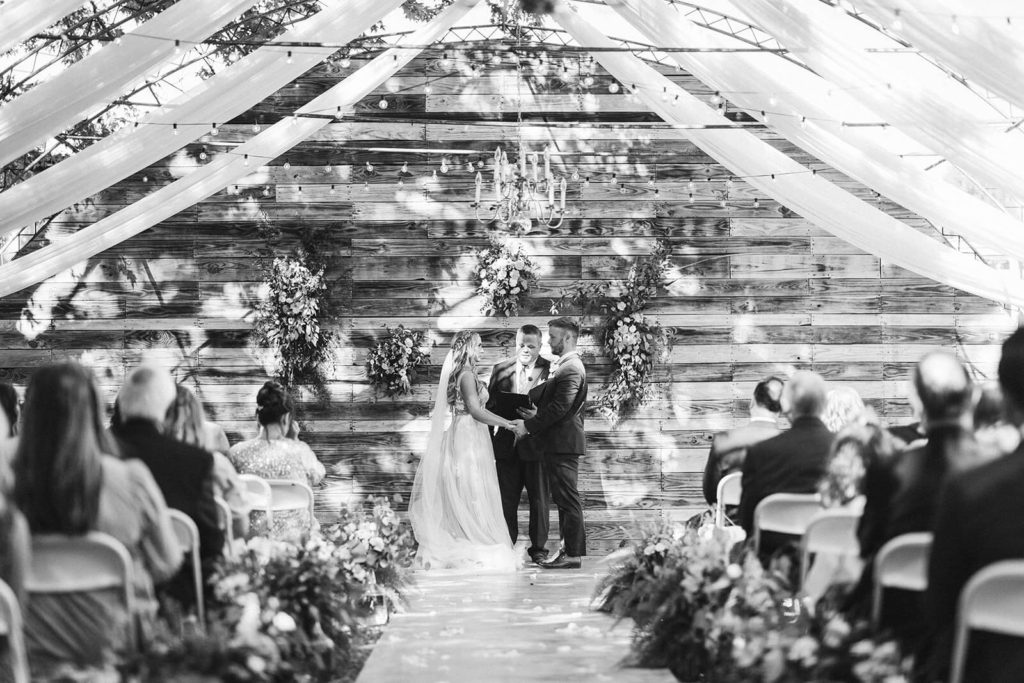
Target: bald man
795 460
184 473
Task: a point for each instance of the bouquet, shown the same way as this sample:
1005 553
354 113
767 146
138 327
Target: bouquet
505 274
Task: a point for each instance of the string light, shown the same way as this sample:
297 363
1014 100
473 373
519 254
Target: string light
586 182
177 47
613 87
369 167
174 128
757 203
287 164
327 167
256 127
213 129
202 154
300 189
288 59
897 22
245 160
716 98
266 191
383 104
346 62
575 174
145 178
955 26
664 94
333 191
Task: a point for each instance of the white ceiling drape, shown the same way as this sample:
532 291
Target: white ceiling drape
904 88
55 105
219 98
813 197
224 169
988 49
22 19
765 82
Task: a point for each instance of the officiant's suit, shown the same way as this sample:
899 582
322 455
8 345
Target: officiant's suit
557 430
519 464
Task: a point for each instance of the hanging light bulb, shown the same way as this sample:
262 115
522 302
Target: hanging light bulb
213 129
955 26
369 167
689 199
716 98
427 89
764 116
202 154
613 87
174 128
145 178
287 164
300 189
266 191
327 167
295 118
444 164
434 175
383 104
803 121
288 59
588 81
245 160
691 186
576 174
611 181
366 186
177 47
897 22
346 62
757 203
729 184
773 100
664 94
650 181
333 191
235 190
256 127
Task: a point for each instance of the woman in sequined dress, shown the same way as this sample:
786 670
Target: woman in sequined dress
272 455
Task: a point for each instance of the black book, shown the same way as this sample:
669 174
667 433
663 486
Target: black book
506 403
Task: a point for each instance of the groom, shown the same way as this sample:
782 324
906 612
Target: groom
556 428
519 462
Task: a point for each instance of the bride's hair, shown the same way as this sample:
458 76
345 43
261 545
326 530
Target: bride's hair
465 352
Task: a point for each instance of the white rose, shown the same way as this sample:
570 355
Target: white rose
283 622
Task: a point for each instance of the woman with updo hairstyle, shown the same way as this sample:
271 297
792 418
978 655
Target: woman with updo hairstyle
273 455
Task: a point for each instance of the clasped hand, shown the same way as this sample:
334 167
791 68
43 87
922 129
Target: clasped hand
519 426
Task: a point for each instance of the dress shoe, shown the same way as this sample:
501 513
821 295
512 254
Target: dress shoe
538 556
562 561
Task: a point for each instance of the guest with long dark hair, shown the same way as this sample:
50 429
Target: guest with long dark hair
68 482
273 455
14 544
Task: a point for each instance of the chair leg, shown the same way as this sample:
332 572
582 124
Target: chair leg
958 661
877 591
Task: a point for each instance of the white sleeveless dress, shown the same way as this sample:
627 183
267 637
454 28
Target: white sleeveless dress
456 506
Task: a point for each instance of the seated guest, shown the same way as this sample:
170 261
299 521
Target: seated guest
843 406
902 491
728 449
183 472
14 539
272 455
186 422
792 462
9 416
979 520
993 432
66 482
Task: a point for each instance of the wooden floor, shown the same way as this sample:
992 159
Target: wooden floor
534 625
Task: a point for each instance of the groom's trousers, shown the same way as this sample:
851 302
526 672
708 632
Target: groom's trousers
563 474
514 475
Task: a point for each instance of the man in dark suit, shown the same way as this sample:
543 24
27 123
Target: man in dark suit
729 449
792 462
519 462
979 520
183 472
556 427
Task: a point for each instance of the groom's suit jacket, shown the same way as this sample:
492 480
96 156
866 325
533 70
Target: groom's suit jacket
503 378
557 428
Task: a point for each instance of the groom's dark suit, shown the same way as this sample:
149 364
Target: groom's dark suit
519 465
557 430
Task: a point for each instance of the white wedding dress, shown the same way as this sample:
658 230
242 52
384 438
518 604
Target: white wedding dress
455 508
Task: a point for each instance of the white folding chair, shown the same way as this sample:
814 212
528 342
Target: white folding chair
992 600
832 532
287 494
257 492
81 564
11 628
901 563
730 487
785 513
225 522
187 533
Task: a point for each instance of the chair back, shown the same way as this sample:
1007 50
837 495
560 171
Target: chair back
901 563
257 492
730 487
785 513
832 532
187 533
81 564
224 523
992 600
11 628
286 494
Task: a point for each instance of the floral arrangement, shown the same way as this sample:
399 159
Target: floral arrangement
631 340
505 273
708 610
391 365
288 320
377 548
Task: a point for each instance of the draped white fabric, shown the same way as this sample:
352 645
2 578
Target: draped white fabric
22 19
219 98
224 169
753 81
62 101
981 42
811 196
903 87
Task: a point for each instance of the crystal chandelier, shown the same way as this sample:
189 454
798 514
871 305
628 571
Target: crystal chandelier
521 197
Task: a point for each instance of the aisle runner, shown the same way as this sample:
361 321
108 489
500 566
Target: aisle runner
533 626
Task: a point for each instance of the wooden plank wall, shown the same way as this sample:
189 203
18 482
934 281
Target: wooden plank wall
753 290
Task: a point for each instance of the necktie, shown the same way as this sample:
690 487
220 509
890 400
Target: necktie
524 379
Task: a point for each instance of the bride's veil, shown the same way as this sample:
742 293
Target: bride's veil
426 512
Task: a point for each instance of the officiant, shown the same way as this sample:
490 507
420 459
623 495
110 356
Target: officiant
519 464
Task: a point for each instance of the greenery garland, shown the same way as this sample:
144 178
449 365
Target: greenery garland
630 339
504 275
391 365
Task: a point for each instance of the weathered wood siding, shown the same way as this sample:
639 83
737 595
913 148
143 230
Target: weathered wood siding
753 290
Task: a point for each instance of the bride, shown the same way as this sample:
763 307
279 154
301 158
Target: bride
455 507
